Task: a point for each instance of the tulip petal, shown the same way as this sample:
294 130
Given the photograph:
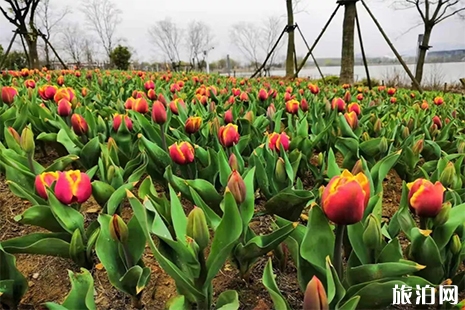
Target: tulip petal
83 188
63 189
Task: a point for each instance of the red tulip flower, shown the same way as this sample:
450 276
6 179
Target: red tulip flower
79 125
339 104
438 100
149 85
43 180
182 153
159 113
140 105
425 198
30 83
73 186
229 135
193 124
9 94
118 118
275 140
354 107
64 108
345 198
47 92
262 95
292 106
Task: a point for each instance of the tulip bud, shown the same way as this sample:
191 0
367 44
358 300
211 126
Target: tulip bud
425 198
383 145
365 136
372 236
233 162
271 111
228 117
418 147
405 133
249 116
315 296
280 171
237 187
357 167
448 175
443 215
377 126
321 159
101 125
27 140
158 113
15 134
461 147
118 229
456 246
193 124
110 172
197 227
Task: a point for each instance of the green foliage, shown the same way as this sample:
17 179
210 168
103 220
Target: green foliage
120 57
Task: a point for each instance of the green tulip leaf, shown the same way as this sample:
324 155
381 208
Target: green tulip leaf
228 300
269 282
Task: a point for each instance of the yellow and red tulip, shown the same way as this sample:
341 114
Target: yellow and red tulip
391 91
118 118
129 103
151 94
270 111
339 104
244 97
193 124
47 92
8 94
61 80
304 105
393 100
345 198
140 105
313 88
182 153
354 107
30 83
228 135
292 106
176 104
438 100
352 119
359 97
73 186
347 96
425 198
43 180
275 140
64 93
79 124
64 107
149 85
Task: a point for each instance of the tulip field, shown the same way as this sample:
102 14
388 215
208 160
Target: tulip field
131 190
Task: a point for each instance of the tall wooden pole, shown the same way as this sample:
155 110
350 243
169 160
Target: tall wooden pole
8 49
365 63
313 57
404 65
302 64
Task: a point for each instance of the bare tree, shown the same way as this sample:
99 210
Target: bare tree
73 42
271 31
21 14
248 40
198 39
48 18
88 51
167 37
431 12
103 16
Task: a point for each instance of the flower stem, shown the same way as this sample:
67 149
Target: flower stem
423 223
337 257
127 256
163 138
31 163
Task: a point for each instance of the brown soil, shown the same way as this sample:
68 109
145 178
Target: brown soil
49 282
48 276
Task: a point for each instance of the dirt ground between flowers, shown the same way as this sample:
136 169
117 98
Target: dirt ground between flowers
48 276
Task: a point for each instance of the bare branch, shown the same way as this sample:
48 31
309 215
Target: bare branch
450 15
198 39
103 16
271 31
167 37
247 39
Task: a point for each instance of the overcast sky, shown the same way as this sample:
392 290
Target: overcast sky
139 15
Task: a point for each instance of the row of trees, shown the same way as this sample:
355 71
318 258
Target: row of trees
35 19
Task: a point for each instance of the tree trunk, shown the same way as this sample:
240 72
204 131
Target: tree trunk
31 41
422 54
347 57
290 41
47 56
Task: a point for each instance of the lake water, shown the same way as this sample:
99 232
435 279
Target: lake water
432 73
